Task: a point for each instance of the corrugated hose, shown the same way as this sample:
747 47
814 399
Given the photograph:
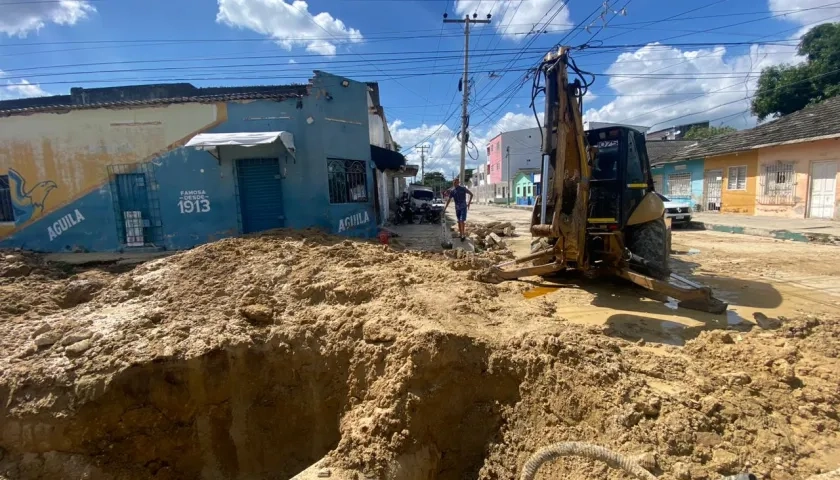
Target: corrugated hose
617 461
587 450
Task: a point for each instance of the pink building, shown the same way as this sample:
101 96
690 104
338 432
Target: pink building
494 160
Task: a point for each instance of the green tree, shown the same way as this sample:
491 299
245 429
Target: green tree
785 89
397 146
702 133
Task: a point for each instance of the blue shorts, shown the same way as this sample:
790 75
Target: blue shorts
461 213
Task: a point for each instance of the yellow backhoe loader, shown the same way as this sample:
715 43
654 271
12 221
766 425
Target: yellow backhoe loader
597 211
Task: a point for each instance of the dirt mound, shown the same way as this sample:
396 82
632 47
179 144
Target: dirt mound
256 357
31 288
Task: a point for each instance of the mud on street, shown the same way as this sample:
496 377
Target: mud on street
255 358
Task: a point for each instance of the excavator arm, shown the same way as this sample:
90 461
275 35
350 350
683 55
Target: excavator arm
564 199
562 210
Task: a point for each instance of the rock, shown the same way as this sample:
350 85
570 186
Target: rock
17 269
47 338
77 348
765 322
44 327
490 241
75 337
681 471
724 462
77 292
641 342
496 239
717 336
708 439
737 378
257 313
709 405
652 407
508 231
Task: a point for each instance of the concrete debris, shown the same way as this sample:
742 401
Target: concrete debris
489 235
765 322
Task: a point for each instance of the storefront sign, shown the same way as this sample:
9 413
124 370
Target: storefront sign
65 223
194 201
353 221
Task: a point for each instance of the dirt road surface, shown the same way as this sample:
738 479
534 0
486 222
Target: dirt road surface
257 357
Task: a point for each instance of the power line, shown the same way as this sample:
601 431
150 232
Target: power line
813 77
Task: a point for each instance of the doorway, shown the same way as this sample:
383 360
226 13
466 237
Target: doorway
136 205
823 188
712 184
260 195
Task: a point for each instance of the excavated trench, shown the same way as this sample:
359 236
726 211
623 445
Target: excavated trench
269 411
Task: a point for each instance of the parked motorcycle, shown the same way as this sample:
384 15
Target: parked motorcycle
430 213
404 212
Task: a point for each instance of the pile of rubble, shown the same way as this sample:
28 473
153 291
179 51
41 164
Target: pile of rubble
490 236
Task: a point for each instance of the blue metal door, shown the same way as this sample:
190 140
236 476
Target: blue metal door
133 199
260 197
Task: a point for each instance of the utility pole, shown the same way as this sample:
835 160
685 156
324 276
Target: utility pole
510 184
465 84
423 149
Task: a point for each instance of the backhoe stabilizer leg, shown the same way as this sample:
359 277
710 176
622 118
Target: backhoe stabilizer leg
527 271
692 296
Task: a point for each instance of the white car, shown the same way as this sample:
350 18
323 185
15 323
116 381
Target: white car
679 212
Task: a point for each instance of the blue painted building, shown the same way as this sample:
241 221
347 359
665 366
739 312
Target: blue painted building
109 170
679 180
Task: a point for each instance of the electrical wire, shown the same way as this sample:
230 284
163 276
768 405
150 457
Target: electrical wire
804 80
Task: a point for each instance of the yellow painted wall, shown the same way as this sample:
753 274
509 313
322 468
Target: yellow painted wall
802 155
62 156
736 201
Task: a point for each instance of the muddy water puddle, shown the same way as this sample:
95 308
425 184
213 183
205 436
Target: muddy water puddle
631 315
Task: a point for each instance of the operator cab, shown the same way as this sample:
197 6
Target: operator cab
620 176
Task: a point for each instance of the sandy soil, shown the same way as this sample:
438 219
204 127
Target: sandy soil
256 357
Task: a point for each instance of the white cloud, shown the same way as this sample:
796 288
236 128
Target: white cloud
696 82
641 100
515 17
22 17
444 154
22 89
290 24
807 11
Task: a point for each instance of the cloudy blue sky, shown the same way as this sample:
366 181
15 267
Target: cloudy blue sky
651 78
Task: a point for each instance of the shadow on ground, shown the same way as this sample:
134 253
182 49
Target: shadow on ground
639 313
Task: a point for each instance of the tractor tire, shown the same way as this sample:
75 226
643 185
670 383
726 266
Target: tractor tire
651 241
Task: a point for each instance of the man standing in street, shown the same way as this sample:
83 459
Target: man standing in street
459 194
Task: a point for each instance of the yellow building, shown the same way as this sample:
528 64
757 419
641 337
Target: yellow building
731 179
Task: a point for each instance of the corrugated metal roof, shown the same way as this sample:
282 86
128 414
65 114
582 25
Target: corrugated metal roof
664 151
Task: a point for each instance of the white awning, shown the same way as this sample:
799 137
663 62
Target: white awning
209 141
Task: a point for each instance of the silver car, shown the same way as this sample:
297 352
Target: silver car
679 212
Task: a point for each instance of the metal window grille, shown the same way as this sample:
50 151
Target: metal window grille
777 184
737 178
7 212
136 203
679 184
347 180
